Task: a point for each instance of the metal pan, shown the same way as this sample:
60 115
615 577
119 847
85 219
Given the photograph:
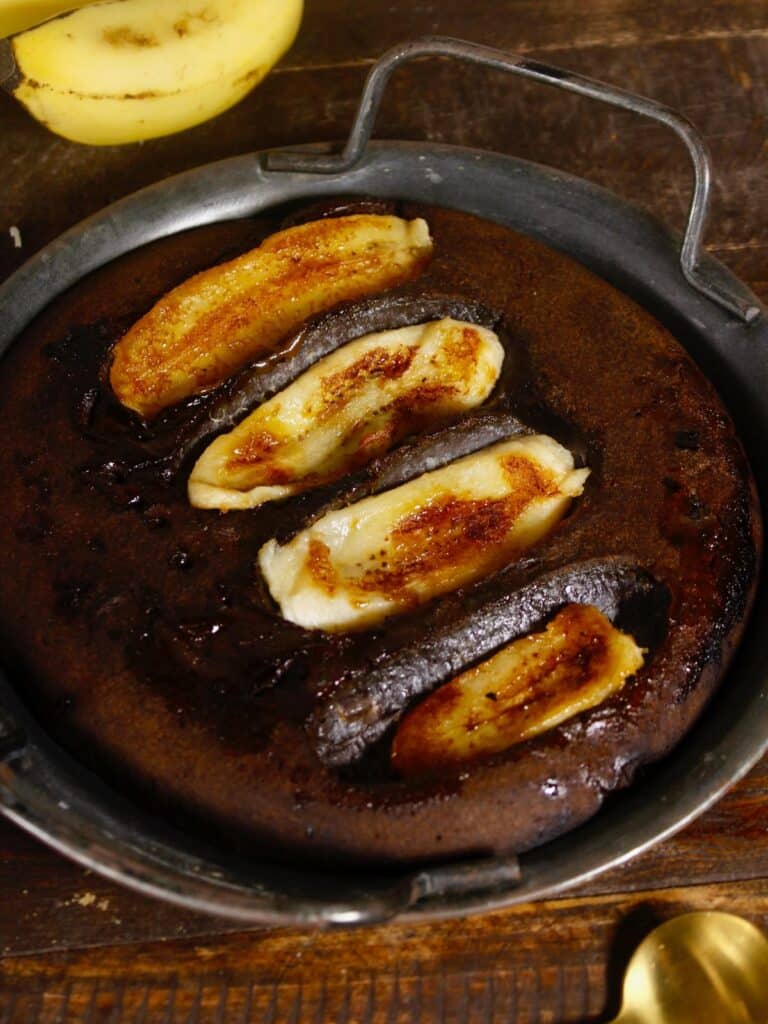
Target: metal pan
718 320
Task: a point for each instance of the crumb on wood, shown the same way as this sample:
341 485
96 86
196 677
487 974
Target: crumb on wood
88 899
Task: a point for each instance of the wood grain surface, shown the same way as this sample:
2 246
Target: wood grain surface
74 947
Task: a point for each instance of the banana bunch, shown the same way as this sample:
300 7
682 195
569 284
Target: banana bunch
127 70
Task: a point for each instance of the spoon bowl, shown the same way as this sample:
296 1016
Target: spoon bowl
699 968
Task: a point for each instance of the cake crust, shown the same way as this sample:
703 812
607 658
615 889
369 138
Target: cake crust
138 631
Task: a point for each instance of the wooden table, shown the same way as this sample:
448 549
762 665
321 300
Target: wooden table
74 947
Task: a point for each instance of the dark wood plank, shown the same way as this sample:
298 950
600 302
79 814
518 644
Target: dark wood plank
558 960
50 184
749 261
355 31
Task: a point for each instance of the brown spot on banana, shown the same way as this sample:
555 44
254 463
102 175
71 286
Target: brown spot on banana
125 35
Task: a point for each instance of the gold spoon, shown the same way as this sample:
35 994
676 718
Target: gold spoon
702 968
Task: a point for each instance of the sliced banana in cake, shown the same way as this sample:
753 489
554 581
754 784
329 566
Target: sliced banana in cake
443 530
528 687
223 318
348 408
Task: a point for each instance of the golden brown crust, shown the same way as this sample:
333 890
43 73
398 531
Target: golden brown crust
218 320
143 647
526 688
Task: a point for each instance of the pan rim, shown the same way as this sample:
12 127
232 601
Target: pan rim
216 192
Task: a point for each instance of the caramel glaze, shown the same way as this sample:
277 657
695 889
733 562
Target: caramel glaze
579 652
464 533
157 362
136 630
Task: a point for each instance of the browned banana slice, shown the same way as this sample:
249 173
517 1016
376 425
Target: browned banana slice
532 685
217 321
411 658
440 531
350 407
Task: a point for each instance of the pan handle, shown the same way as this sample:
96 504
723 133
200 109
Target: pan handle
694 271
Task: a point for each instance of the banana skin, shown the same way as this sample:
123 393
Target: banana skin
128 70
18 15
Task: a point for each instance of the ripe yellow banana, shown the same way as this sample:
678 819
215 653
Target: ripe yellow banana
134 69
16 15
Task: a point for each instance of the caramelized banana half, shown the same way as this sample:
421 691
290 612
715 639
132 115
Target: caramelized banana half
348 408
530 686
217 321
433 534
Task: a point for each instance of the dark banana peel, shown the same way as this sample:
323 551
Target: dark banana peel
361 706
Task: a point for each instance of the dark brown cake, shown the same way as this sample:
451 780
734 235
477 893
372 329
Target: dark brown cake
138 630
